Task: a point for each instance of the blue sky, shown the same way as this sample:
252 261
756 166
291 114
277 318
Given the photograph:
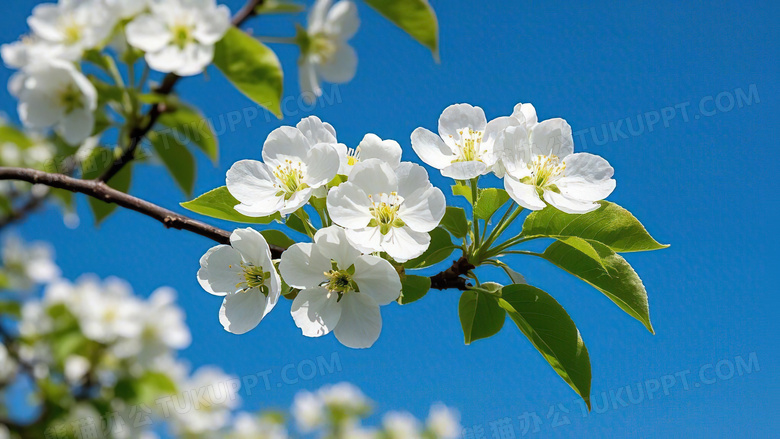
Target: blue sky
703 179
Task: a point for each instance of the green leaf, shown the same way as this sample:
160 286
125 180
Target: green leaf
614 276
480 315
190 123
415 17
218 203
98 161
516 277
278 7
10 134
610 225
455 222
552 332
151 386
462 190
489 201
585 246
252 68
10 307
176 158
440 249
277 237
413 288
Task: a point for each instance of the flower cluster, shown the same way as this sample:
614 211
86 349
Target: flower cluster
535 159
375 211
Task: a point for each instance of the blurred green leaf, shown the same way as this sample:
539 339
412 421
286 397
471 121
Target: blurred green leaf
218 203
415 17
552 332
252 68
190 123
176 158
480 315
11 134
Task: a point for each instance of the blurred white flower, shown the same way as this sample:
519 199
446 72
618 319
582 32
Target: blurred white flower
178 36
124 9
29 49
541 168
344 397
325 54
444 422
8 366
205 401
386 209
341 290
401 425
76 368
252 426
25 265
296 161
72 26
113 314
340 402
54 93
371 147
463 149
308 411
244 274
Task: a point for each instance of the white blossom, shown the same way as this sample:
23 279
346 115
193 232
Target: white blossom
401 425
296 161
308 411
325 53
244 274
463 149
8 365
54 93
444 422
542 169
371 147
249 426
386 209
341 290
25 265
28 50
71 26
212 395
113 313
178 36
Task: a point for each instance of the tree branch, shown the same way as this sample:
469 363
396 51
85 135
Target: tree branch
450 278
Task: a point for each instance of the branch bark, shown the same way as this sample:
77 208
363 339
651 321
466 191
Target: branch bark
450 278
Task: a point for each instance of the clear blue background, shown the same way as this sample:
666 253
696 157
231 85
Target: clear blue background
706 186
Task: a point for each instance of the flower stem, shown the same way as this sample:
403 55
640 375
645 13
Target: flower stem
278 40
474 220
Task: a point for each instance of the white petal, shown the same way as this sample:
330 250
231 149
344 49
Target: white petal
424 210
552 137
464 170
36 110
196 58
403 243
148 33
513 150
360 323
332 243
524 194
316 131
266 207
565 204
213 25
303 266
342 20
373 147
526 113
411 178
167 59
341 66
297 201
587 177
322 164
77 126
317 14
253 247
43 22
431 148
220 270
374 177
316 311
285 143
349 206
367 240
489 154
458 117
252 182
242 311
309 83
377 278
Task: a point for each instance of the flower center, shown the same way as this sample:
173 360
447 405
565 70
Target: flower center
323 47
469 146
353 156
385 212
254 277
182 35
544 170
70 98
71 30
339 282
289 176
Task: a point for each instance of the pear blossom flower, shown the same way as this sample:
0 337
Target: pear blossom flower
72 26
386 209
25 265
543 169
525 116
124 9
341 290
179 35
296 162
250 426
401 425
111 313
244 274
371 147
28 50
325 53
54 93
308 411
444 422
463 149
213 410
